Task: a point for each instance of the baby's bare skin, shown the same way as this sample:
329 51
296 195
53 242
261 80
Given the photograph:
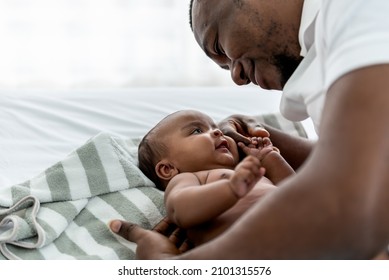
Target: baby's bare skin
207 231
273 163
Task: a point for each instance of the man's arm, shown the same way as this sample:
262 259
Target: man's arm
335 207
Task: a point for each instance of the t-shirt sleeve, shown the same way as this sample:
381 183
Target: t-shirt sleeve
355 35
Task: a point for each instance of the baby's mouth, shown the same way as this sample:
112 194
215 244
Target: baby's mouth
223 145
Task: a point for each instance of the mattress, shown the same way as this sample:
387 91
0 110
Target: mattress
39 127
68 163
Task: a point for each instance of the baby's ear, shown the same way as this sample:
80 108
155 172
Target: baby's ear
166 170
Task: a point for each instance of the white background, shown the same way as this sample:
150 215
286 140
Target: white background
101 43
280 270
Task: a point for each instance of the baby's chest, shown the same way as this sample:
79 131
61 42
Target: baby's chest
216 175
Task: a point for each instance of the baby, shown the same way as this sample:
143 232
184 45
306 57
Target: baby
206 187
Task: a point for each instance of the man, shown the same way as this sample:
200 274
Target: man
337 203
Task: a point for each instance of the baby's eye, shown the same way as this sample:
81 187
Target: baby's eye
197 131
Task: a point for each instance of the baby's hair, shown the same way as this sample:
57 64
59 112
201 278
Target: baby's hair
150 151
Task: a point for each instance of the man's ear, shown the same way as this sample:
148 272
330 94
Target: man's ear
166 170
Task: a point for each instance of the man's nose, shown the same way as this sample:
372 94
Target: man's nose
237 73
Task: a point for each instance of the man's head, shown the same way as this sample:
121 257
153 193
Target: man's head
257 40
185 141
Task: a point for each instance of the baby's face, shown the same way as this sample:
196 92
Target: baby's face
195 143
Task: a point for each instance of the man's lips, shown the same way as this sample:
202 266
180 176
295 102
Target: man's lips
257 80
252 77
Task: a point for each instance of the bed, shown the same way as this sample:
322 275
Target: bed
68 162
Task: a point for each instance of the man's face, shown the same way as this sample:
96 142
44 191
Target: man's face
247 38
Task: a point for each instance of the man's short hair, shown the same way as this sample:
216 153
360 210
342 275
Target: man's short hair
190 14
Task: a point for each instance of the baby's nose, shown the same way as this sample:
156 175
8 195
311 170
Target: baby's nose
217 132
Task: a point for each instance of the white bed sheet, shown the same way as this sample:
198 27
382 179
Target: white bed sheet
40 127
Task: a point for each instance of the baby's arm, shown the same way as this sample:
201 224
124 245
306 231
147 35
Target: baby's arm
247 173
277 168
188 203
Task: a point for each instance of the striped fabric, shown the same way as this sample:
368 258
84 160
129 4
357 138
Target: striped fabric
63 213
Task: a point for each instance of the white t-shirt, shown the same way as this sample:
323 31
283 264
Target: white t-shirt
336 36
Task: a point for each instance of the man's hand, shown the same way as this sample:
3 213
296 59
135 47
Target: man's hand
163 242
241 128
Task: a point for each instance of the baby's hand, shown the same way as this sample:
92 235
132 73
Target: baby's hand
259 147
247 173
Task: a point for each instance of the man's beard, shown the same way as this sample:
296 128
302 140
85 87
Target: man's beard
286 65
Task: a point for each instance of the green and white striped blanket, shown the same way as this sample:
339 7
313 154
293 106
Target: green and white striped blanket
63 213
